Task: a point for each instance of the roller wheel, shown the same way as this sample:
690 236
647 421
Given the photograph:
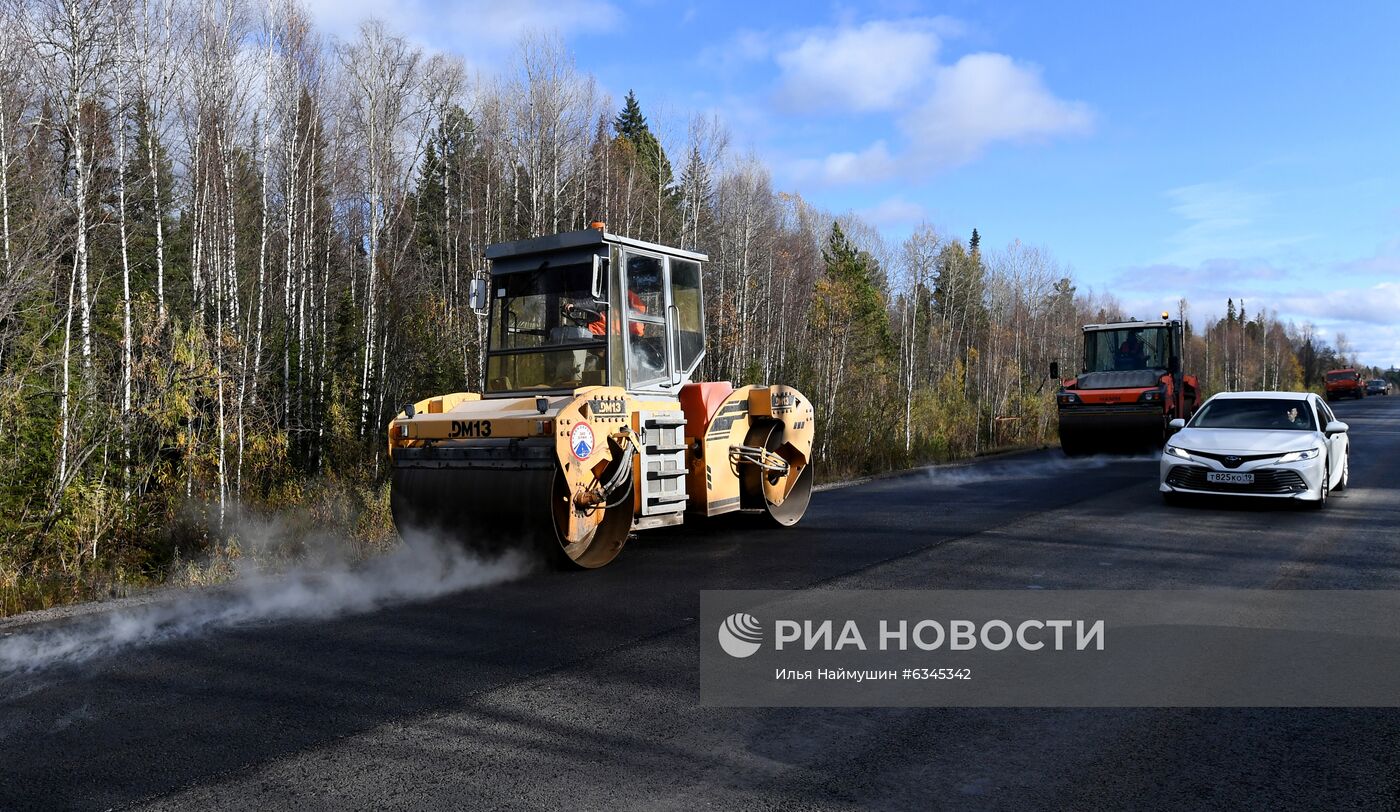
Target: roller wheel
488 512
778 499
597 548
1074 446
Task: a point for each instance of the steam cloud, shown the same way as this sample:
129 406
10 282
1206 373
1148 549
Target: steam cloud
328 588
953 476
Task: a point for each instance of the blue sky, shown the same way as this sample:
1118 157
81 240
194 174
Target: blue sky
1208 150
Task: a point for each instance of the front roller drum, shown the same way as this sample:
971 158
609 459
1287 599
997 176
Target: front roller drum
490 511
780 497
1130 432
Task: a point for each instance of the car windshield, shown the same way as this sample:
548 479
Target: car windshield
1127 348
1340 376
534 315
1270 414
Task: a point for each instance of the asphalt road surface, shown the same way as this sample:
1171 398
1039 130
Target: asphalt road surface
580 690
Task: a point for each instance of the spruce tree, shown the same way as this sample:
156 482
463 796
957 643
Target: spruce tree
850 276
631 127
630 123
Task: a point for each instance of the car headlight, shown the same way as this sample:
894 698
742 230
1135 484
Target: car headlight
1299 456
1180 453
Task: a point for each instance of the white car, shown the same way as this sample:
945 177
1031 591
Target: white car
1278 445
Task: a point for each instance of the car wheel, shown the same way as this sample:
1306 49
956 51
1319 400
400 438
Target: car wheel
1326 489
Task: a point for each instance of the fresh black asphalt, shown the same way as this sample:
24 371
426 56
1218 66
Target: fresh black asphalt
580 690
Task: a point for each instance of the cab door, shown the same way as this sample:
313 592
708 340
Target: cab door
646 303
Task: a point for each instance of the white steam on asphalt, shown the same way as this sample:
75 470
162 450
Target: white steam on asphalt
953 476
325 587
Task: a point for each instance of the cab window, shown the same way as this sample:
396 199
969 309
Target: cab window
647 347
690 328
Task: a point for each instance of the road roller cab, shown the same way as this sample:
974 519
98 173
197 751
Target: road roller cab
1130 387
589 426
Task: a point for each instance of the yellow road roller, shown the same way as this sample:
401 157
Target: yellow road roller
590 426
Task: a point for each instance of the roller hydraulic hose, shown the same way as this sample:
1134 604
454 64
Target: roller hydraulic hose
761 457
617 488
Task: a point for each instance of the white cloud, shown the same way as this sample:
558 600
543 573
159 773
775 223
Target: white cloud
1367 314
736 53
946 115
872 163
984 98
894 212
1384 262
1226 272
864 68
468 27
1378 304
1224 220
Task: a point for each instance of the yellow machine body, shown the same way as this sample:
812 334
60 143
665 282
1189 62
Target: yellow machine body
573 469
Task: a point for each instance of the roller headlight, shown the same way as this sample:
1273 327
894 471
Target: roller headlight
1067 399
1179 453
1299 456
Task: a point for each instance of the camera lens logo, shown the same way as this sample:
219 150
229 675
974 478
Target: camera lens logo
740 635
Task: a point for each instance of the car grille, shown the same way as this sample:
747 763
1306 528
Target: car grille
1266 481
1234 460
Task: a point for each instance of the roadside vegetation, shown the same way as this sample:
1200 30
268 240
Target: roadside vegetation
233 248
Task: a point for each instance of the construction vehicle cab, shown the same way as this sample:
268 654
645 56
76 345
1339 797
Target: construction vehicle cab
588 309
1129 388
1344 383
589 425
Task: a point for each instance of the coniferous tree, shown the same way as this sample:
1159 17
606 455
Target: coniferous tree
631 126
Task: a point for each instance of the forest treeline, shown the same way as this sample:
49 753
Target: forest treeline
233 247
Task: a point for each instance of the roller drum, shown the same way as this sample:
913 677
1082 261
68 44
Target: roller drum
491 496
781 498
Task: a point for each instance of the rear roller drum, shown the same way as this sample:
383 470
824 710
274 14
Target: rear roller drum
781 497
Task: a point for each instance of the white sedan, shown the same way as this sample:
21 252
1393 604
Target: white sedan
1279 445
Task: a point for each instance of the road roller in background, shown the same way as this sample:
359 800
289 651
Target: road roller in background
1130 388
590 426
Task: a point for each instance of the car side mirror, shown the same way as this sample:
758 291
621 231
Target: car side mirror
1055 370
1336 427
1177 424
480 295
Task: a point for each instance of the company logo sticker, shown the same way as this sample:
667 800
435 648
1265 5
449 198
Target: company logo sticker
740 635
581 440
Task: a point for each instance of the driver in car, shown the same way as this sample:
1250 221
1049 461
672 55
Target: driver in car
1291 418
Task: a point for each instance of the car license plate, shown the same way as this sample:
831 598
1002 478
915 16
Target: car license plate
1230 479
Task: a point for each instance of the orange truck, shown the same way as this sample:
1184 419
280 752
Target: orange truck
1345 383
1129 388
